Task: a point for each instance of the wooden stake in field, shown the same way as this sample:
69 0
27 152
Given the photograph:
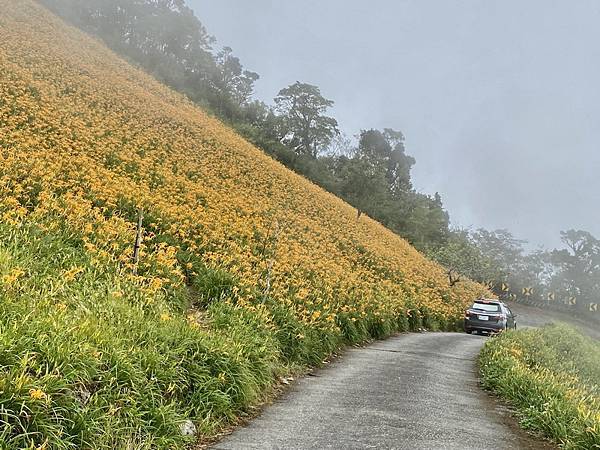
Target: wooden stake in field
273 240
138 241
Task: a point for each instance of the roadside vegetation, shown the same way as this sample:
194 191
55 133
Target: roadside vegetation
551 375
247 272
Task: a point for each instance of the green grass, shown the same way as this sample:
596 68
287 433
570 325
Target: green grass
90 359
552 376
113 371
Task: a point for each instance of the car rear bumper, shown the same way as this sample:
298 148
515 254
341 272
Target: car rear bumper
471 325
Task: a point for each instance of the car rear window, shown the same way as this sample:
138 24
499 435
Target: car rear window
489 307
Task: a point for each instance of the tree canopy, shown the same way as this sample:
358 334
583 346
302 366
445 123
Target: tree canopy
304 125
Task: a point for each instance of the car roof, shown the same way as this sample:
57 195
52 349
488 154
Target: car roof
488 300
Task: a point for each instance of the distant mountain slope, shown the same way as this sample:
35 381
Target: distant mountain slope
242 260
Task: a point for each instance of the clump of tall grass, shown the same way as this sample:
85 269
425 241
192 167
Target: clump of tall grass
552 376
87 362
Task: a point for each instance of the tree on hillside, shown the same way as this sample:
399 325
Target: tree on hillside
427 222
501 246
363 185
535 271
578 266
232 78
340 146
493 256
461 254
386 151
232 84
375 178
507 255
304 125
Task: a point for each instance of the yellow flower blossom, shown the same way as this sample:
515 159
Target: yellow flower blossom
37 394
70 274
13 276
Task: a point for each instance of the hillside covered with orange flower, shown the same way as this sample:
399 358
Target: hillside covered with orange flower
246 270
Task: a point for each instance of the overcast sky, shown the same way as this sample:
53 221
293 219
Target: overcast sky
498 100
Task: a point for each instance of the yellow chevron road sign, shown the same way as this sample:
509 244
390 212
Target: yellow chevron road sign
594 307
489 284
572 301
505 287
527 291
551 296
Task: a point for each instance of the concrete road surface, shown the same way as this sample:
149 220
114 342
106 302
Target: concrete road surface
414 391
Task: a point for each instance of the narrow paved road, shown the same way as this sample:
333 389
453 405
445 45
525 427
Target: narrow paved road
414 391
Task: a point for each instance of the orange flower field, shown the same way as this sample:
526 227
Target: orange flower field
86 141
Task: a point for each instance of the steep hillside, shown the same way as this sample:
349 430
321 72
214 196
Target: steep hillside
245 269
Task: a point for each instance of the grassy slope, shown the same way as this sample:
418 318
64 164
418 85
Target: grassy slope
92 355
552 376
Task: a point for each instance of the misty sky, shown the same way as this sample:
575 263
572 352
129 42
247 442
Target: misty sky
498 100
